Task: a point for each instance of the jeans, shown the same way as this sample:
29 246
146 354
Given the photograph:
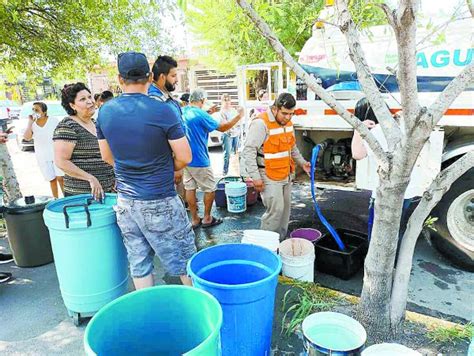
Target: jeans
159 227
403 220
230 147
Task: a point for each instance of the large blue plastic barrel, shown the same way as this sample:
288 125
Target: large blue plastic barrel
243 278
89 254
164 320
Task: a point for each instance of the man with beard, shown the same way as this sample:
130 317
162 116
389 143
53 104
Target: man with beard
165 78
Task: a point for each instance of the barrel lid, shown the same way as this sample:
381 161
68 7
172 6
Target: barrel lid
76 201
28 204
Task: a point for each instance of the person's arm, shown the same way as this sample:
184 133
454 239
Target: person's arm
106 152
227 125
359 151
300 161
28 135
255 138
181 152
62 158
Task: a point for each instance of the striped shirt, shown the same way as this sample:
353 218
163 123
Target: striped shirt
86 156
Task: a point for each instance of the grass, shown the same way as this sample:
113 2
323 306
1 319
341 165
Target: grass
451 334
303 299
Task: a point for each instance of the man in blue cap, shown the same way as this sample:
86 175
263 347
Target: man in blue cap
144 140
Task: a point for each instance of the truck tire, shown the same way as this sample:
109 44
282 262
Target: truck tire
454 235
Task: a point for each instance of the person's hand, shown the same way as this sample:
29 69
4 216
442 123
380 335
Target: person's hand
259 186
96 189
369 123
178 177
307 168
3 137
212 109
31 119
240 111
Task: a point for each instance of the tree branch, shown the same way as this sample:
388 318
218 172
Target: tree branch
431 198
448 95
390 128
312 84
405 32
389 14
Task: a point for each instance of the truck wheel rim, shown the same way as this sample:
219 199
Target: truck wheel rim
460 220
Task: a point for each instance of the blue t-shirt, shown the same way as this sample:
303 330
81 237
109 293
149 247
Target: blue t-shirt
198 126
137 129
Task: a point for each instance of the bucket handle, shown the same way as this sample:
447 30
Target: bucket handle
86 208
219 181
91 200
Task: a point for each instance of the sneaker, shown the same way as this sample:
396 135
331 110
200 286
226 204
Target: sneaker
5 258
5 277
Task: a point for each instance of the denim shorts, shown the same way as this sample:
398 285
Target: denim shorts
159 227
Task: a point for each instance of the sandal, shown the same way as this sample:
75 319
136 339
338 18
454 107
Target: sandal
5 277
214 222
195 226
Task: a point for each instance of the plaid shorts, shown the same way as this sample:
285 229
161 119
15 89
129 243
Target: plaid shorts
159 227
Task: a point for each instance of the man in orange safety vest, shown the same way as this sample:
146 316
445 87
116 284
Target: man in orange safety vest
269 157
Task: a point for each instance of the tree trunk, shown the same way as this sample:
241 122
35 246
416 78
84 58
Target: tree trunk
374 307
10 183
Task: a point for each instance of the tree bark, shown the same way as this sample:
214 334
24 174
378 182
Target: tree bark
374 307
430 199
405 32
10 183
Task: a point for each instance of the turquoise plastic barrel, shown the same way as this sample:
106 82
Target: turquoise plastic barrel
89 254
164 320
243 278
236 195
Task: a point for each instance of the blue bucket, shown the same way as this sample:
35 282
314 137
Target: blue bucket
236 193
90 258
243 278
163 320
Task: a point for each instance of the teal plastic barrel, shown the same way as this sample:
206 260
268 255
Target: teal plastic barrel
89 254
164 320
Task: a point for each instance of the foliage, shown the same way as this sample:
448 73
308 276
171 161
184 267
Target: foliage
303 299
452 334
429 222
70 37
221 25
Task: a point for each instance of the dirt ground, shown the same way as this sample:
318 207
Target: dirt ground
414 335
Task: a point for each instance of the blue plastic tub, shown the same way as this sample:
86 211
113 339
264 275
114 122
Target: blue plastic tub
243 278
164 320
89 254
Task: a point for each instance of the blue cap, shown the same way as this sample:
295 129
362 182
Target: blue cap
133 65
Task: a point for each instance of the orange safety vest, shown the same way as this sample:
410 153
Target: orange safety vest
277 149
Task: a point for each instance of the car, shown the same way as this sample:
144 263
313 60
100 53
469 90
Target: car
55 110
9 109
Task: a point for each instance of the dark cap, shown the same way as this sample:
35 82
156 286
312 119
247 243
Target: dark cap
133 65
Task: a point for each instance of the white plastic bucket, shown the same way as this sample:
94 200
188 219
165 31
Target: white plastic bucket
297 256
387 349
236 195
263 238
327 333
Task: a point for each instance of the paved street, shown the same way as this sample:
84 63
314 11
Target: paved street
33 320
